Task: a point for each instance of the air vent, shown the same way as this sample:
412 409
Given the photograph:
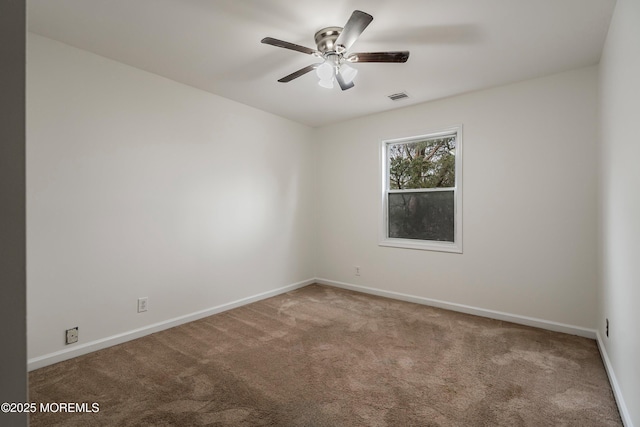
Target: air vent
398 96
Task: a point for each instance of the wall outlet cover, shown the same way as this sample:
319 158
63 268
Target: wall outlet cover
71 335
142 304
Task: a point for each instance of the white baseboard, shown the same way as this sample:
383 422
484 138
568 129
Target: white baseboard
59 356
617 393
507 317
514 318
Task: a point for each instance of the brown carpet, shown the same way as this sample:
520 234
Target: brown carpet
321 356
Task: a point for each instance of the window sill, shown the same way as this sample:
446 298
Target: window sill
422 245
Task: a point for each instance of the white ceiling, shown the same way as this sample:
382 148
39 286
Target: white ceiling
456 45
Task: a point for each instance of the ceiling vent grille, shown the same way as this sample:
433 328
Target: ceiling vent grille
398 96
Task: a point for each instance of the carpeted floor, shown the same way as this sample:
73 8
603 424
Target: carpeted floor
321 356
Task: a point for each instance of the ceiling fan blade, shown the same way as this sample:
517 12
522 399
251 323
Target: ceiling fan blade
353 28
343 85
291 46
298 73
400 56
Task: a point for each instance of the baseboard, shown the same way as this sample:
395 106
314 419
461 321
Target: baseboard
59 356
617 393
507 317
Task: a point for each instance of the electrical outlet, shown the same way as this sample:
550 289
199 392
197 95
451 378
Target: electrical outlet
142 304
357 270
607 327
71 335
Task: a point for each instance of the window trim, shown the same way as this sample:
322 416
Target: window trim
428 245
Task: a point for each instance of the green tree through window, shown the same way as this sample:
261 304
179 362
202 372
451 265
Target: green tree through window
421 189
423 164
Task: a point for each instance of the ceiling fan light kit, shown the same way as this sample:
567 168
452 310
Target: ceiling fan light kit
326 73
333 44
348 73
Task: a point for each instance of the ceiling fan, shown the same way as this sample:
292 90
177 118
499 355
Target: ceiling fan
333 46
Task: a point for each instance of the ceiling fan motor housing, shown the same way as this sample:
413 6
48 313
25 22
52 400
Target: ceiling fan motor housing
326 39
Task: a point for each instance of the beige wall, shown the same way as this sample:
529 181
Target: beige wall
530 201
138 186
620 203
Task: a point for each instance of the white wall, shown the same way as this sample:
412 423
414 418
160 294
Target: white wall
530 201
620 195
139 186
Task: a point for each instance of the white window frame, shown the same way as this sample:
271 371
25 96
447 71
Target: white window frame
429 245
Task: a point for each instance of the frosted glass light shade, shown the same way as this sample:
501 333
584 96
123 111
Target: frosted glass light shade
326 83
348 73
325 71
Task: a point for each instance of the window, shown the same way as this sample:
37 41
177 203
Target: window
422 191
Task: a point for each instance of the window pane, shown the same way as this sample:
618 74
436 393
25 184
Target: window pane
423 164
423 216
